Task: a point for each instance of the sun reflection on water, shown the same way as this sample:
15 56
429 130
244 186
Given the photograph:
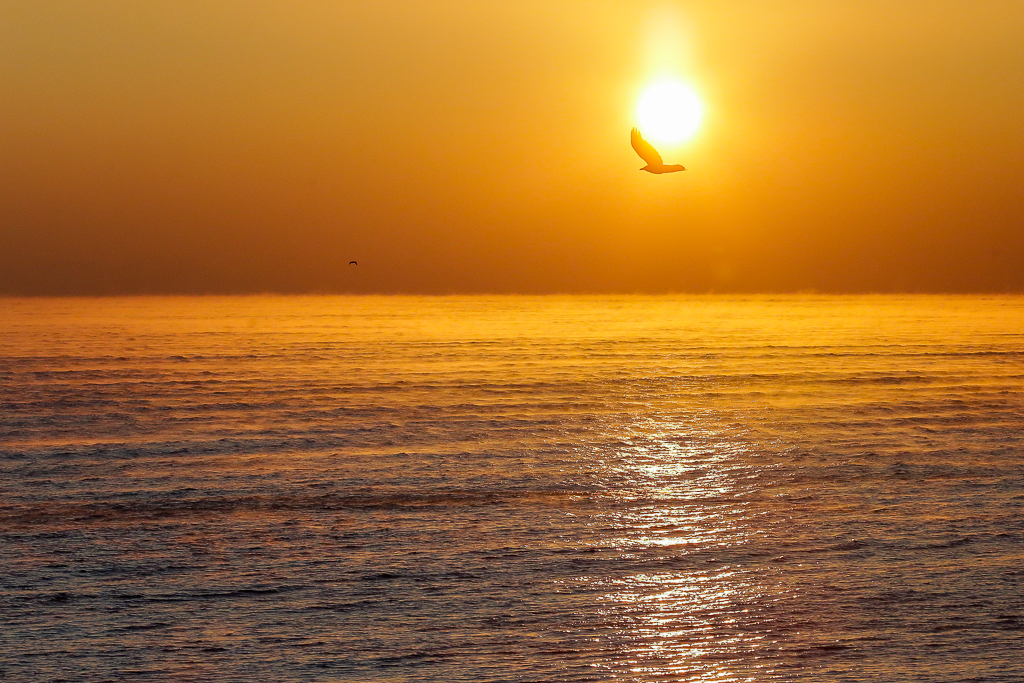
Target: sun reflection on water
686 514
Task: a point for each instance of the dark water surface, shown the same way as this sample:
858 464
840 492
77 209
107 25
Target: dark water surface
512 489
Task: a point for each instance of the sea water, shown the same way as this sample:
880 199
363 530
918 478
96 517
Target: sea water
713 488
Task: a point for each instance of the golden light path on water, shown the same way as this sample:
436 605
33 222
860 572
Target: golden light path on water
684 491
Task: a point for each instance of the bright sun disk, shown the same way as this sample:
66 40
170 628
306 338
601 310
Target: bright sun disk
669 111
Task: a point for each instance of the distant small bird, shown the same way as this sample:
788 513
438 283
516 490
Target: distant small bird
353 263
650 155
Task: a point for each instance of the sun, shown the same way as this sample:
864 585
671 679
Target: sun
669 111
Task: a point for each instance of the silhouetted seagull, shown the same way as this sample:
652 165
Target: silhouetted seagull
353 263
650 155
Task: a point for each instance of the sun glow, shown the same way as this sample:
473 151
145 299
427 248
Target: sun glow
669 111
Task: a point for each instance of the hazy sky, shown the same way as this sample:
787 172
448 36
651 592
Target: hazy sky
483 146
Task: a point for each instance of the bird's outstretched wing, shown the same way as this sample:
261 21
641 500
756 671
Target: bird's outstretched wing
644 149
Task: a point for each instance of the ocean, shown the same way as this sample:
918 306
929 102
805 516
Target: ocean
628 488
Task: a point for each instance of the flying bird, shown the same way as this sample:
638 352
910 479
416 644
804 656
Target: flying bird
353 263
650 155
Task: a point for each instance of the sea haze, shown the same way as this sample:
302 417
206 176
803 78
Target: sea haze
721 489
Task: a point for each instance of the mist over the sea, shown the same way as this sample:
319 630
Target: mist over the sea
791 488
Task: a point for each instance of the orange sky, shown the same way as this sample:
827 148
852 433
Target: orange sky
186 146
